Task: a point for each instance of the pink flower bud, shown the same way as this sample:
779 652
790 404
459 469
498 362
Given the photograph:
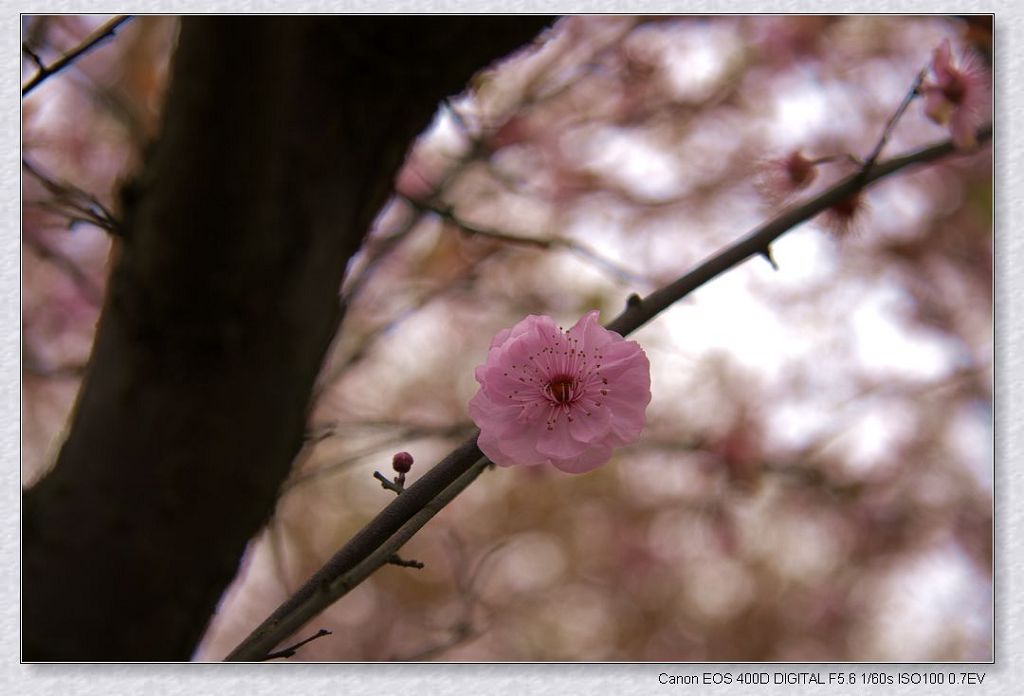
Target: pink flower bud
402 462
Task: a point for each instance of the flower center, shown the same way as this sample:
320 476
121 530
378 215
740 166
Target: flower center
561 389
799 169
954 90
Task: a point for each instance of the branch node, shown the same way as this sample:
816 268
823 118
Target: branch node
400 520
33 56
633 300
395 559
915 91
45 71
396 486
766 253
291 650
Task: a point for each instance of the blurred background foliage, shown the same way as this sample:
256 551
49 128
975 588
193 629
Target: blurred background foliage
815 482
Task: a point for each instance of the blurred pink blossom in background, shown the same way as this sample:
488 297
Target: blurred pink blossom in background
780 178
959 97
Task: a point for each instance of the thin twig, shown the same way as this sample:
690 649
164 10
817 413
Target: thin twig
387 484
891 123
639 313
460 632
87 287
395 559
73 203
46 71
60 372
376 250
350 566
416 432
366 342
33 56
397 522
841 157
466 626
549 242
290 651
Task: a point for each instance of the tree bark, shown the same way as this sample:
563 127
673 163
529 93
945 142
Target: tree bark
280 142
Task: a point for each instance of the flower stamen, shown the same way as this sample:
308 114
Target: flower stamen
561 389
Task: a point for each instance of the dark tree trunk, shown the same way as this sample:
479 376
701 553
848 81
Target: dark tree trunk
280 142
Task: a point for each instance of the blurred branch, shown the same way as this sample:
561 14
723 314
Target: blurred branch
406 433
376 251
348 568
478 151
467 277
460 632
397 522
893 120
396 560
32 367
275 530
73 203
46 71
334 429
246 296
465 626
552 242
90 291
757 242
403 431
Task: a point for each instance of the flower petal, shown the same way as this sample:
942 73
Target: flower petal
558 442
500 338
592 428
589 332
510 451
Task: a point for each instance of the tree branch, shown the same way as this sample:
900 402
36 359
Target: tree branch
73 203
404 434
89 290
891 123
757 242
46 71
407 513
547 242
291 650
280 142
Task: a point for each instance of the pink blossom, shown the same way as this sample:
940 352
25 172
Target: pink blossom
959 97
566 398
